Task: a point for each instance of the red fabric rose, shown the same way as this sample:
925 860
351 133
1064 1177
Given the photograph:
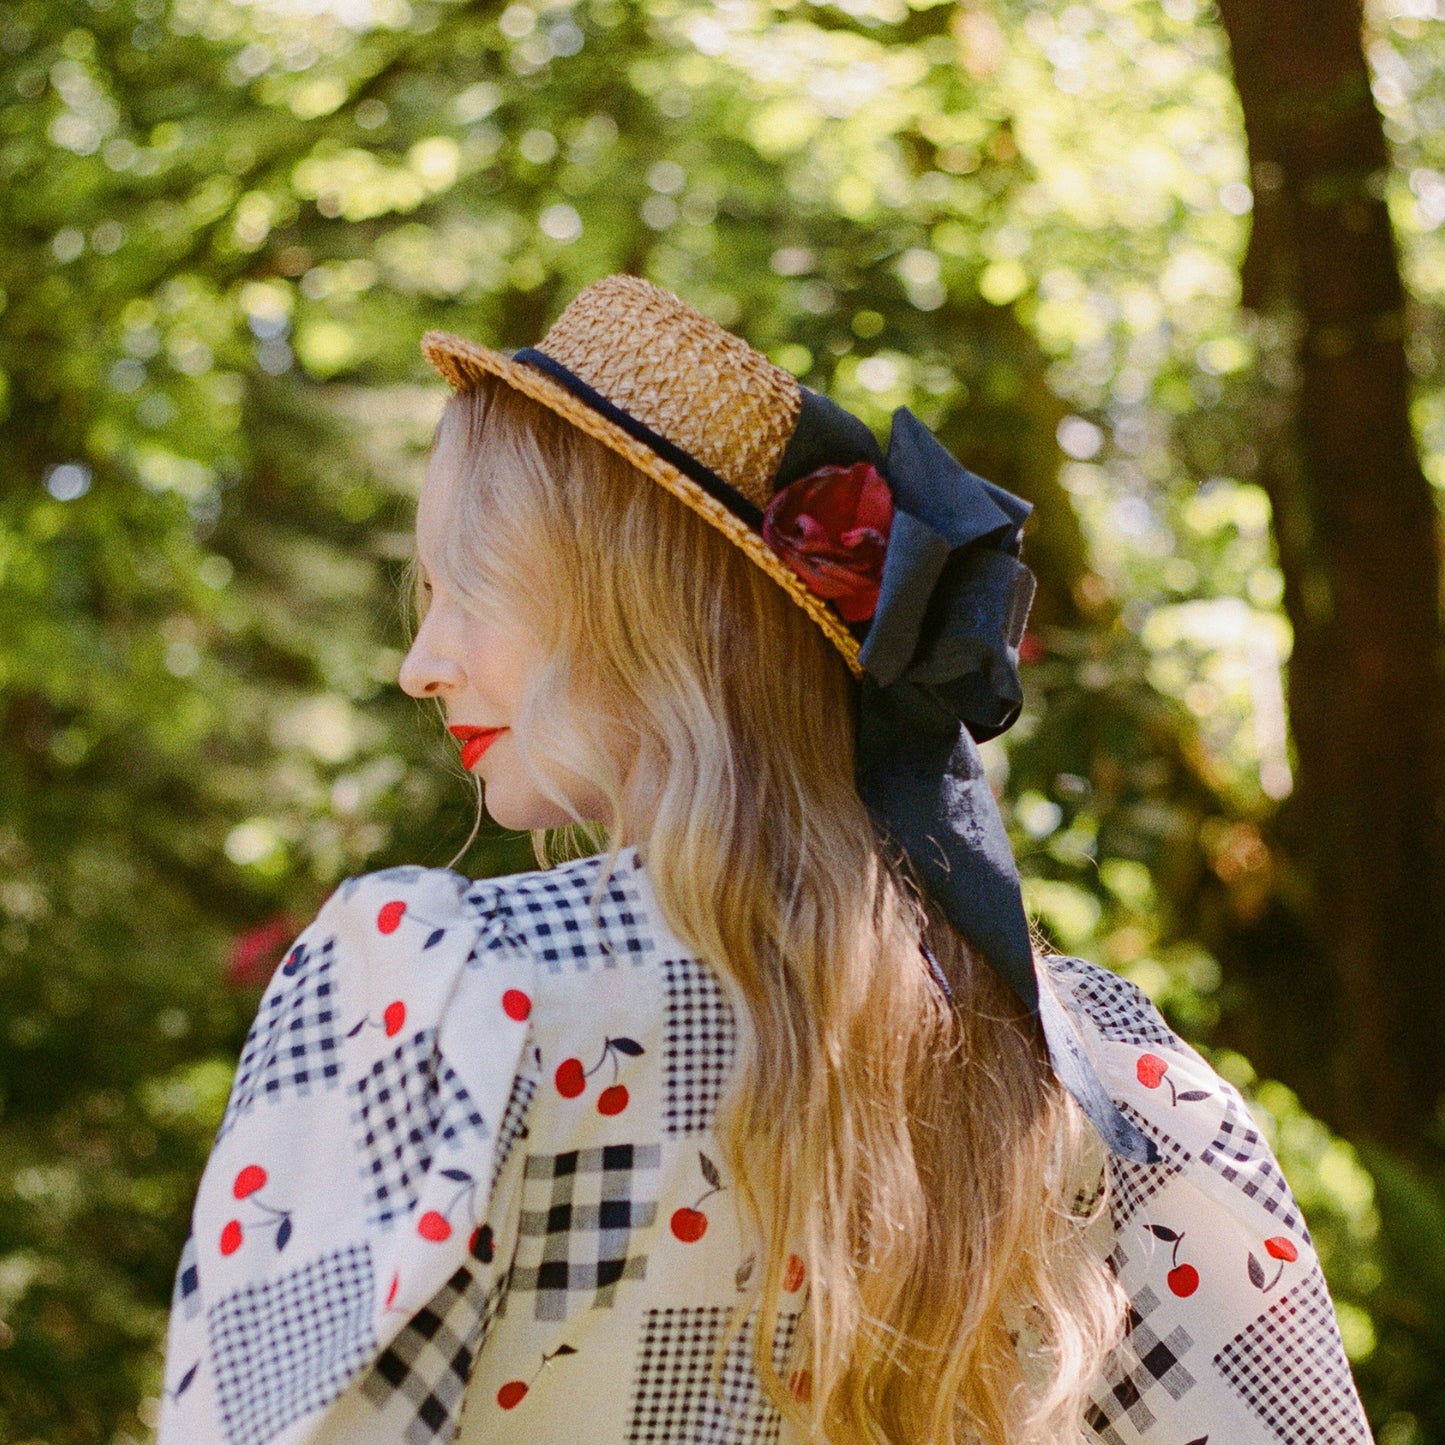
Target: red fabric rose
831 528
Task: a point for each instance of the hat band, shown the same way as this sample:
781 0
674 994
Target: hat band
669 451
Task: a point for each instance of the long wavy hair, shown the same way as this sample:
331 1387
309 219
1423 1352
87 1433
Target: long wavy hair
921 1158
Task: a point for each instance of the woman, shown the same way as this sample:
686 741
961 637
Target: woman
766 1122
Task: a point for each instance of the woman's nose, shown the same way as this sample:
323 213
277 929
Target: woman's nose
425 674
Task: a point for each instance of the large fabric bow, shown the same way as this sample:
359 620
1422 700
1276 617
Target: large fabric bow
941 674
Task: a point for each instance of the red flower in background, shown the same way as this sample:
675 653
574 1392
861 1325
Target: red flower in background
254 954
831 527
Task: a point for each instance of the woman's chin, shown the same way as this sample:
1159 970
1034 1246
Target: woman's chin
522 815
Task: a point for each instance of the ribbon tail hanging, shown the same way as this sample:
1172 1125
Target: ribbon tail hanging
920 774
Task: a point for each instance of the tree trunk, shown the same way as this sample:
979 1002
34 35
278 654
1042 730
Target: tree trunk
1356 528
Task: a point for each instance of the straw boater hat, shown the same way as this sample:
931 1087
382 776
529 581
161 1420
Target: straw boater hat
685 401
908 562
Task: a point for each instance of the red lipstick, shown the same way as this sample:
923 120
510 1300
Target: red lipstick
475 741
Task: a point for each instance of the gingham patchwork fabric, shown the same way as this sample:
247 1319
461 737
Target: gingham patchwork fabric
1134 1185
295 1044
514 1124
700 1043
407 1101
672 1398
1147 1372
282 1347
419 1383
468 1190
585 1216
554 917
1296 1390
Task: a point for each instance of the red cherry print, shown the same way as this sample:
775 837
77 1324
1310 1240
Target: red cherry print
516 1004
1183 1280
391 1293
1281 1248
249 1180
231 1237
433 1226
800 1385
511 1394
689 1225
1151 1070
570 1078
793 1274
394 1018
612 1100
388 920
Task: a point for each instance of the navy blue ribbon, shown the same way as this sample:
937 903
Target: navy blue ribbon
941 675
940 659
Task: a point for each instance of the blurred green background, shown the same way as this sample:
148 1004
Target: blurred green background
1170 270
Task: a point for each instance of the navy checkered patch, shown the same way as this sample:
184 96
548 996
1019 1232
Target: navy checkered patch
1143 1364
552 915
1120 1010
513 1126
405 1104
1134 1185
1283 1367
580 1211
420 1380
1238 1154
294 1044
288 1346
673 1394
700 1045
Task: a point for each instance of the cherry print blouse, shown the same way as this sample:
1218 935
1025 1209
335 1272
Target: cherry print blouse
467 1189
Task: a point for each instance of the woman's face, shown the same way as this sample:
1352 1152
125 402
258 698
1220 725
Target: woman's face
479 667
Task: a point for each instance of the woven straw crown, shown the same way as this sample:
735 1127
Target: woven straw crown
646 357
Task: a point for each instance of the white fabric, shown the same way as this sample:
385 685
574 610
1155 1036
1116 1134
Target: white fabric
421 1223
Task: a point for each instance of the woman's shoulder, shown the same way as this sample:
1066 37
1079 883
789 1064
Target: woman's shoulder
588 913
589 904
1232 1328
1163 1083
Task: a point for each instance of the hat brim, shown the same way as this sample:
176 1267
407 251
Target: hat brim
464 362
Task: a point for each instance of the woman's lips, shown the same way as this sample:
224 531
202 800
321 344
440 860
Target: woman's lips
475 741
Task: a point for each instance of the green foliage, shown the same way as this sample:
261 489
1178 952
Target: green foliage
1408 1310
228 226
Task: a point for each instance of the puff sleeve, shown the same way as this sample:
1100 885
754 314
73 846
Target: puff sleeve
354 1166
1232 1335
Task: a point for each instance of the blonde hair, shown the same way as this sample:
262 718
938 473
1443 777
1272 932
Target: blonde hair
920 1157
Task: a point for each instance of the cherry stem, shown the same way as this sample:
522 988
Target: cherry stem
466 1189
1275 1280
546 1360
1173 1093
606 1050
709 1194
